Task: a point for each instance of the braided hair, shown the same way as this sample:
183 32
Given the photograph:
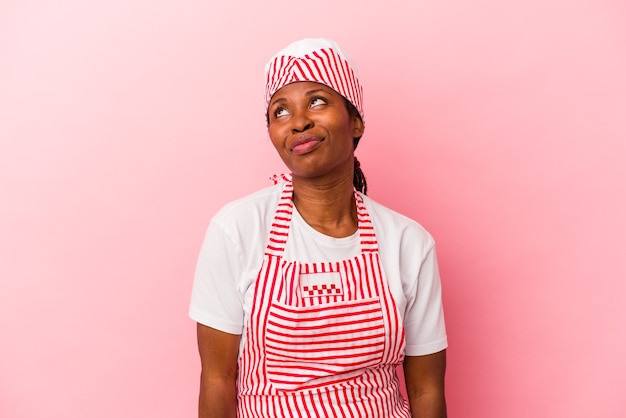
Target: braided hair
359 178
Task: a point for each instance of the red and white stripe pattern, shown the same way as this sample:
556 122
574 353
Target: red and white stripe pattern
327 355
318 60
314 346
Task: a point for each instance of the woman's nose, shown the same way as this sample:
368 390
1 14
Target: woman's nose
301 122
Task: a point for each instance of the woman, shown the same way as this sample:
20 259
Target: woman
308 294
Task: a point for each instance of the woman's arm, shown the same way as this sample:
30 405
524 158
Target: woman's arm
424 377
218 382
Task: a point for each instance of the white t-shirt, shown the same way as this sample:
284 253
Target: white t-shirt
233 249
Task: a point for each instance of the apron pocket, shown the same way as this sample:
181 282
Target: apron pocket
325 343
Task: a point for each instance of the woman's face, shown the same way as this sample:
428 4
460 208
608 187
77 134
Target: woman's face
312 130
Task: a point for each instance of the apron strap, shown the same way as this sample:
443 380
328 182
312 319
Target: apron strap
369 244
282 219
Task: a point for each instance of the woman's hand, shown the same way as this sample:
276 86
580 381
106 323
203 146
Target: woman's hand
424 377
218 382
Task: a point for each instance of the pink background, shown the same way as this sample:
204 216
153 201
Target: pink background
125 124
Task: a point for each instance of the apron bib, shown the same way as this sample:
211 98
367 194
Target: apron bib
323 339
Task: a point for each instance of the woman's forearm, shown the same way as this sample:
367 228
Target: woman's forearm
218 398
428 405
218 381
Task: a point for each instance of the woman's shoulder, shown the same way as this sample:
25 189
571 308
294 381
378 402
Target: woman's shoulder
395 226
252 207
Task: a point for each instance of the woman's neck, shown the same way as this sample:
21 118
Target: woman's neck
328 207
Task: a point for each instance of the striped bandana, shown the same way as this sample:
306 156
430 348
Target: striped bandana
318 60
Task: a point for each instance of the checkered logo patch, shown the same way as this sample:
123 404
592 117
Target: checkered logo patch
320 284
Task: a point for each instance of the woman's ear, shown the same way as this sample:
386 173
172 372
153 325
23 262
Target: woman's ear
359 127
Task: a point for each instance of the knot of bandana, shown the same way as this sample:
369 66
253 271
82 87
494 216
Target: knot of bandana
283 177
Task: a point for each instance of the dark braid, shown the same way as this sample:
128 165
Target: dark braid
359 178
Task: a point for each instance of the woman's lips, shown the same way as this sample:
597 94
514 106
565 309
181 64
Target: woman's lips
305 144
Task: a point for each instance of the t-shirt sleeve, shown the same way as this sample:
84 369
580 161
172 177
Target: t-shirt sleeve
215 298
424 323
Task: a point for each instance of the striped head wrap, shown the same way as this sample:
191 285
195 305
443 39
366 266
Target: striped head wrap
318 60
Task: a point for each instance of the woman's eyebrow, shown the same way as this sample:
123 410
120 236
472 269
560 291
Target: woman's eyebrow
279 100
311 92
307 94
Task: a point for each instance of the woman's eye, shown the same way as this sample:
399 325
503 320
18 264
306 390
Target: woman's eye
280 111
317 101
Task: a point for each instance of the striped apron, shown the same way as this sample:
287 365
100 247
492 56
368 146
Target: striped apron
323 339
